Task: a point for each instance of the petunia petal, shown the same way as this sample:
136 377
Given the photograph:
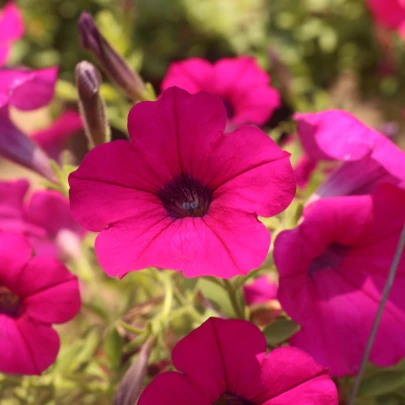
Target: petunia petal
121 190
172 388
260 181
212 245
171 135
225 352
193 75
292 376
49 291
27 347
12 264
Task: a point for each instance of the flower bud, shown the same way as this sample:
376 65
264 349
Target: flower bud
113 65
91 105
20 149
130 386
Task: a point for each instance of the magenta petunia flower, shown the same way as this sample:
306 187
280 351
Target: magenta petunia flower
332 283
241 84
225 362
261 290
34 294
45 219
367 157
54 138
182 194
11 29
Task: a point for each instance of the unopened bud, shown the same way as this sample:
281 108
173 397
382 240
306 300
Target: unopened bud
91 105
113 65
20 149
130 386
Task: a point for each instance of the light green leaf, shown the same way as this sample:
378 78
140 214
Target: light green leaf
113 345
381 383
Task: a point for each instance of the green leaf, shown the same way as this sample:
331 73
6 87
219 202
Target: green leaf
190 284
279 331
113 345
381 383
216 295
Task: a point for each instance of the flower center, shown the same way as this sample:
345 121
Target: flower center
329 259
185 196
9 303
230 111
231 399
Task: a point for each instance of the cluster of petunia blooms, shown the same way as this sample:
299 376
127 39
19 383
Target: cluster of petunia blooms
185 193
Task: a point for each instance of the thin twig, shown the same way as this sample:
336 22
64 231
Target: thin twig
377 319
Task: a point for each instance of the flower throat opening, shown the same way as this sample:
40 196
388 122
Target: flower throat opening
231 399
185 196
9 303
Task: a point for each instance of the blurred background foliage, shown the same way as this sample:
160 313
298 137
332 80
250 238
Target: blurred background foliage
324 53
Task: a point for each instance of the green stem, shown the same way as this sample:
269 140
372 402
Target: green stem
380 310
234 300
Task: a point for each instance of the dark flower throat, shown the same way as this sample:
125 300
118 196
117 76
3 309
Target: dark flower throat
185 196
9 303
231 399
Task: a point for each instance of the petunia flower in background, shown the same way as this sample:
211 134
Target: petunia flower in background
367 157
181 194
303 169
332 283
261 290
241 84
53 139
11 29
261 297
34 294
233 369
44 219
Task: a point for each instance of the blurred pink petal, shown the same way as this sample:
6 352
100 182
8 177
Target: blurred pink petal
367 157
261 290
388 13
54 138
332 283
45 219
11 29
241 84
27 89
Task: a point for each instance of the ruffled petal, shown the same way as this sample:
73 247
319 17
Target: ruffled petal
223 243
27 346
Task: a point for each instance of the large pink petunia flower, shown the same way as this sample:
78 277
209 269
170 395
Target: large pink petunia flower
333 268
240 83
182 194
225 362
11 29
45 219
367 157
34 294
